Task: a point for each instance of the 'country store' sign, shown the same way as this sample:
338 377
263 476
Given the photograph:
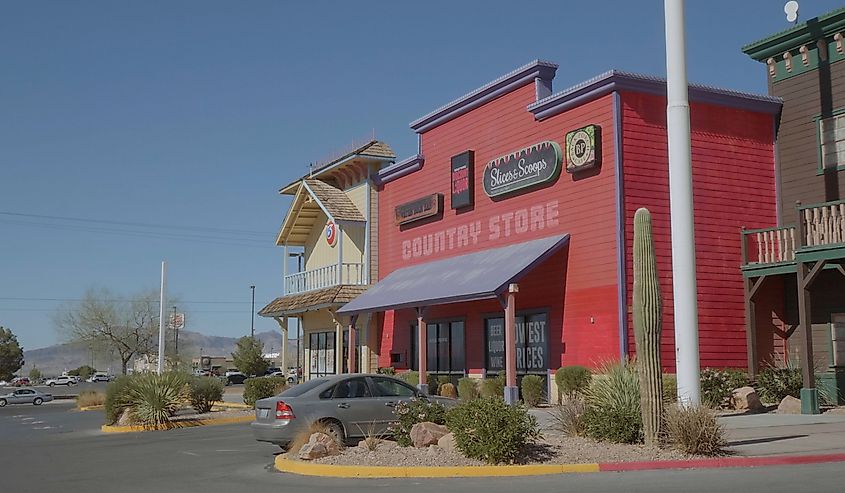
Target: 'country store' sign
525 168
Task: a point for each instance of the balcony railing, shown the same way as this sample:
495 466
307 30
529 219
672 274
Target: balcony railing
324 277
819 225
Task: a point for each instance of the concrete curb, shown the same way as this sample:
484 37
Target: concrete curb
283 464
232 405
91 408
189 423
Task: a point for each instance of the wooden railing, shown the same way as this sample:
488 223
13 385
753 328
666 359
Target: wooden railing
324 277
818 225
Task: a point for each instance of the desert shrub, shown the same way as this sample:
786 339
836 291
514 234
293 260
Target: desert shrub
694 430
532 390
387 370
490 430
115 403
776 383
412 412
613 405
467 389
572 381
203 392
89 398
718 385
493 387
154 398
262 387
412 378
448 390
440 380
568 417
670 388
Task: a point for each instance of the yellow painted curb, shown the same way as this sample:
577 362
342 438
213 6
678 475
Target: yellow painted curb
283 464
231 405
91 408
178 424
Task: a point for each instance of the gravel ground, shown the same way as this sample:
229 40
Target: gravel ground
188 414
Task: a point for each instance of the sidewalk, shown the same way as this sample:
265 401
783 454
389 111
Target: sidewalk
767 435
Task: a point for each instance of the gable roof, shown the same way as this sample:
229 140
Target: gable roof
313 197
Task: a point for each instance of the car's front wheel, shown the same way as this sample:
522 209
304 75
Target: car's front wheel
2 402
38 401
52 384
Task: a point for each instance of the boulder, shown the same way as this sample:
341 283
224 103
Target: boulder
447 442
125 418
387 445
427 433
789 405
319 445
746 399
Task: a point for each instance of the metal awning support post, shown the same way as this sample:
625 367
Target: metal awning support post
350 353
421 350
511 389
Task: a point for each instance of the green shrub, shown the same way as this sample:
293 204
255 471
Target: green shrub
532 390
441 381
412 378
412 412
261 388
448 390
613 406
717 386
467 389
490 430
569 417
670 388
387 370
572 381
493 387
694 430
115 402
204 391
776 383
154 398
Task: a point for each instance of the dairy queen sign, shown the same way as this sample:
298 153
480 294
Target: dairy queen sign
524 168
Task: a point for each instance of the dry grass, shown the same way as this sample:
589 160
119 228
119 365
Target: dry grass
569 417
303 436
90 398
694 430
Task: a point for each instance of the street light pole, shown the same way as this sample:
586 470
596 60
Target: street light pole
252 325
175 338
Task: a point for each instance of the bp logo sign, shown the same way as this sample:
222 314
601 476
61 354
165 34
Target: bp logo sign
331 233
583 148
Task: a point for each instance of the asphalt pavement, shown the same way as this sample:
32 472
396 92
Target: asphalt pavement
55 448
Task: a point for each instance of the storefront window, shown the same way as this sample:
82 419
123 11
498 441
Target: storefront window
321 345
532 343
445 351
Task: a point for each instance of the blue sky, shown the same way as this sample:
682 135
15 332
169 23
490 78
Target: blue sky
192 114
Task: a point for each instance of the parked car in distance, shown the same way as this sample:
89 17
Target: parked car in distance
63 380
272 370
25 396
350 405
234 377
100 377
21 382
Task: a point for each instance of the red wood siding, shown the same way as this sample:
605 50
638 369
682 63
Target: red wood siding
734 185
583 291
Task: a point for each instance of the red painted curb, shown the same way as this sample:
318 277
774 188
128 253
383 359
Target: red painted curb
721 462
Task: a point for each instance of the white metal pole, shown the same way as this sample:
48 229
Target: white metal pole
162 306
681 206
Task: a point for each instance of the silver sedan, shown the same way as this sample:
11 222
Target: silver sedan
25 396
350 406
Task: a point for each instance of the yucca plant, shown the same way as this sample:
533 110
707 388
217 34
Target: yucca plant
154 398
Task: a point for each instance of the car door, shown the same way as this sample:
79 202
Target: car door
355 406
22 396
390 392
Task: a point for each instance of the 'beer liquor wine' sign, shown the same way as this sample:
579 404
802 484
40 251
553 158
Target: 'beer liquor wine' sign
524 168
462 180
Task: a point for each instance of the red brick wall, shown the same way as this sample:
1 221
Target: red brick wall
584 317
734 185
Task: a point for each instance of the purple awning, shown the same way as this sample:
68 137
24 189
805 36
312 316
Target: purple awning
474 276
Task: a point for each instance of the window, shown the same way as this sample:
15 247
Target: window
444 347
532 343
353 388
832 142
322 359
387 387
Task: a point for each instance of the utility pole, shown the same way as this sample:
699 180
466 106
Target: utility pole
175 338
162 308
252 324
681 207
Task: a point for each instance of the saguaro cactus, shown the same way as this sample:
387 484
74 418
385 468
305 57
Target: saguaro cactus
647 327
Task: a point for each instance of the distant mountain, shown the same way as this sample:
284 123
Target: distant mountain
53 360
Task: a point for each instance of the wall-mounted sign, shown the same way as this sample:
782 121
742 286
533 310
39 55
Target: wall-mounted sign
532 343
331 233
524 168
463 192
583 148
423 207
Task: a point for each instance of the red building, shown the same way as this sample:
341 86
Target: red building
545 185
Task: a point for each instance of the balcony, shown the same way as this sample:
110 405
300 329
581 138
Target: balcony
819 234
325 277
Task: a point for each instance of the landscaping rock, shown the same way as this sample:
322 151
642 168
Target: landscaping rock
789 405
447 442
427 433
125 418
746 399
319 445
387 445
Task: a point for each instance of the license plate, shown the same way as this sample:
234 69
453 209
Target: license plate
263 413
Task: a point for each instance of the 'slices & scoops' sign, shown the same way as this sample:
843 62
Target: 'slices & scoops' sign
527 167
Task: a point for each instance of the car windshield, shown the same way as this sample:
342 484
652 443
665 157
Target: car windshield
298 390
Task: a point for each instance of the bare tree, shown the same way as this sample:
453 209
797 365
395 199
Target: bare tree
128 327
